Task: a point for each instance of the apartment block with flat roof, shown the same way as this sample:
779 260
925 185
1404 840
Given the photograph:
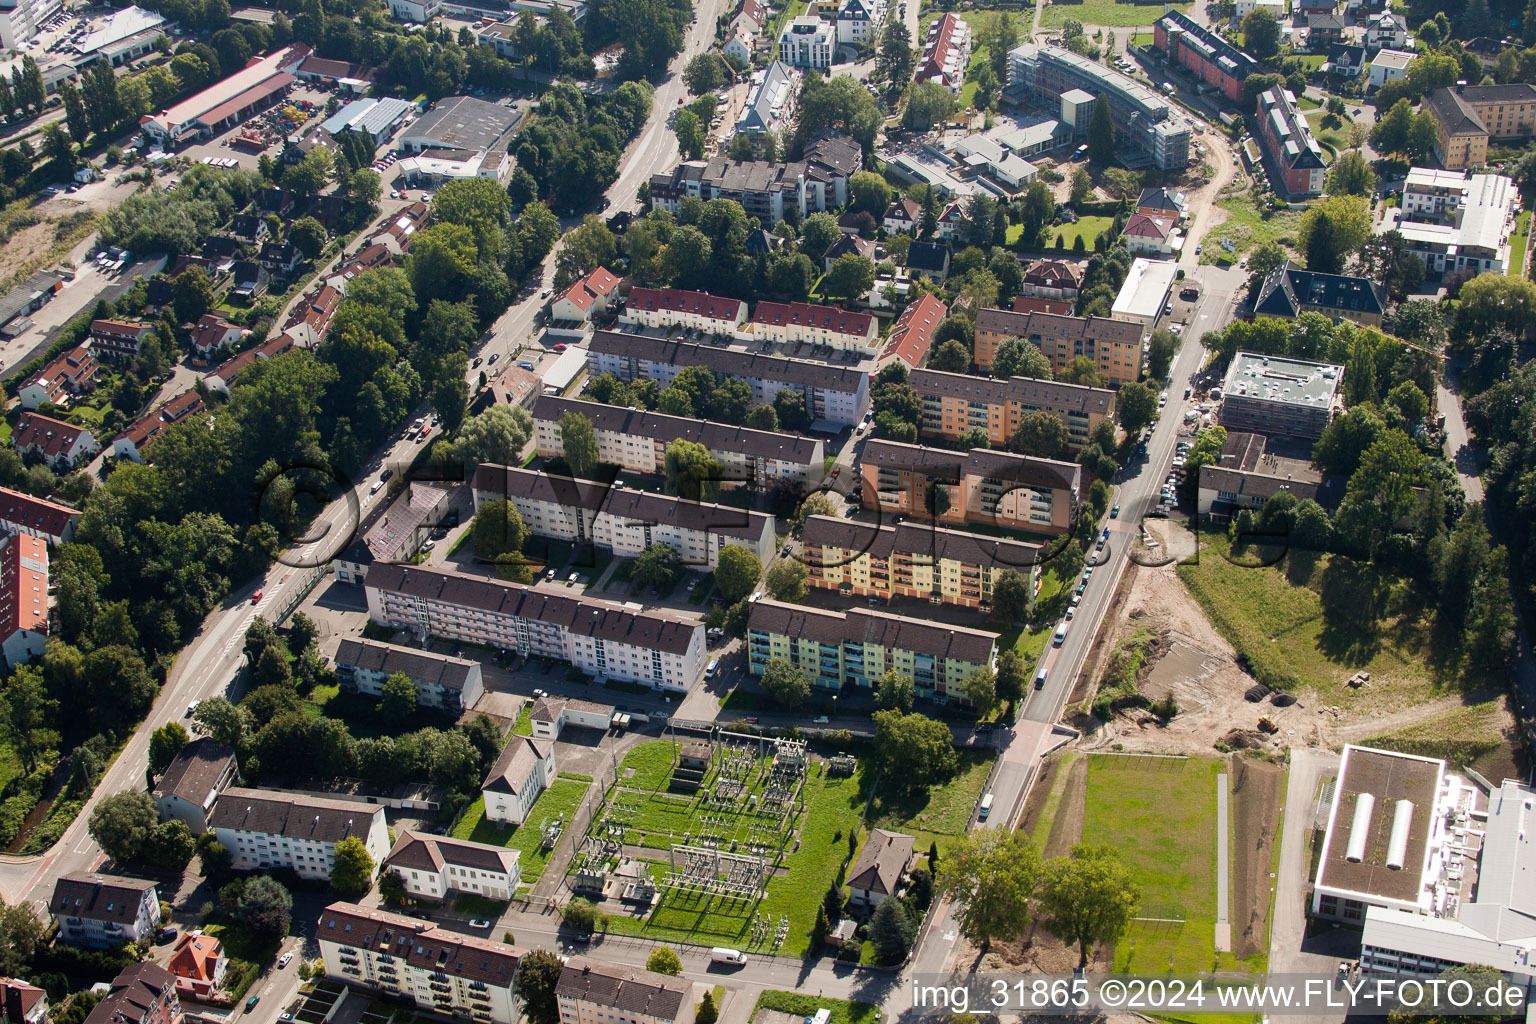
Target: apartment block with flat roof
911 560
1113 345
859 646
997 488
604 640
956 403
1279 397
621 519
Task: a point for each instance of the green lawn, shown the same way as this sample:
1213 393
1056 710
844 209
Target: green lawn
1311 621
842 1011
1247 226
938 816
524 724
968 89
648 766
1518 242
1142 40
1332 140
1474 735
1088 228
1160 814
559 800
1105 12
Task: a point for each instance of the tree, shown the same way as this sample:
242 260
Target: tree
915 751
392 889
928 104
217 717
818 503
1040 434
352 870
707 1012
584 916
498 528
398 703
868 192
309 235
21 932
1135 406
1491 622
737 571
302 632
1016 357
896 692
538 974
690 134
1011 679
213 859
1351 174
851 276
1422 136
706 73
1011 595
980 688
1261 34
657 566
991 874
1088 897
1391 131
1101 136
1082 186
950 356
191 294
817 234
497 435
265 907
164 744
891 931
170 846
895 62
578 443
121 824
785 684
786 580
664 960
692 473
1082 370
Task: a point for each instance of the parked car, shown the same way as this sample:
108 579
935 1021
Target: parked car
479 922
284 960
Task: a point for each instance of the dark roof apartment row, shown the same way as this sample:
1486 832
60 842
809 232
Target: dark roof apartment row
1051 325
195 771
1056 396
1020 469
628 990
917 541
1290 288
311 818
420 943
98 897
731 362
862 626
579 615
721 437
372 656
624 503
426 852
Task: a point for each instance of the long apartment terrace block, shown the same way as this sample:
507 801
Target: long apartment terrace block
979 486
837 394
263 829
441 680
1205 53
674 307
593 992
636 440
599 638
858 647
911 560
804 322
622 519
400 957
955 403
1113 345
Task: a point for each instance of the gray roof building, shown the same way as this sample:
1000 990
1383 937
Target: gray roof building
797 373
422 666
881 863
461 123
295 817
862 626
657 426
630 991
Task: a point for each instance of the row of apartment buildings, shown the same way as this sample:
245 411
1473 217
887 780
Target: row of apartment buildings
1114 345
790 322
622 519
994 488
663 651
636 440
836 394
817 182
953 404
1469 117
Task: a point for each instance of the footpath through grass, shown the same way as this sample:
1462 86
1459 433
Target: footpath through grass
1311 621
1160 814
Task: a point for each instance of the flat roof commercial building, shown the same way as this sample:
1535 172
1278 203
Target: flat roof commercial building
1279 397
254 87
1244 475
997 488
622 519
911 560
1150 128
604 640
460 137
1113 343
956 403
637 440
1456 222
859 646
837 394
1144 294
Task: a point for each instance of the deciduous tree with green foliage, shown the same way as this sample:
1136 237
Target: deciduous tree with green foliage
737 571
266 907
785 684
352 869
1087 898
991 874
664 960
1135 406
398 703
122 822
1040 434
914 751
786 580
1015 357
1261 33
896 692
578 443
164 744
538 975
498 528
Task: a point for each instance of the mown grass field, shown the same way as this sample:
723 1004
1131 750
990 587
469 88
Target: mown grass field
1086 228
938 816
1311 621
1160 814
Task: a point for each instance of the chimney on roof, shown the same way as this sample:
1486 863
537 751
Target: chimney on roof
1461 85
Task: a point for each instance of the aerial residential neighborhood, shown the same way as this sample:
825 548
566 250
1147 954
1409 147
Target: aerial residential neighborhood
766 511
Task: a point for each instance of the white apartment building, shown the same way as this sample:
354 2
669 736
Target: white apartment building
525 769
402 957
832 326
808 42
263 830
441 681
1456 222
1247 7
104 911
838 394
591 991
434 866
859 21
1389 64
20 20
676 307
621 519
637 440
604 640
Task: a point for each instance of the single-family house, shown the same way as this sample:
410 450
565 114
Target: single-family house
878 871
